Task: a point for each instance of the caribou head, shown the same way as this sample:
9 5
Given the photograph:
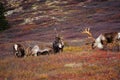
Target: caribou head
18 50
103 39
58 44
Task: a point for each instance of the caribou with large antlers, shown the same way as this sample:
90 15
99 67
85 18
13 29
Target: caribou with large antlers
104 40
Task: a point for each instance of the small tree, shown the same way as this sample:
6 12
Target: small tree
3 21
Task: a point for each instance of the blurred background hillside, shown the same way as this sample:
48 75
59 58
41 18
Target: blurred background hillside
37 19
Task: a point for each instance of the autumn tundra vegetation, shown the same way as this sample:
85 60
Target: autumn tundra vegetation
28 48
75 62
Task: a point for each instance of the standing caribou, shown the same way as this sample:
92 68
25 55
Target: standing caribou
58 44
104 40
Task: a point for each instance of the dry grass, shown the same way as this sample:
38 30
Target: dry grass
78 49
73 49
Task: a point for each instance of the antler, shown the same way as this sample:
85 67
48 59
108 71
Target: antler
87 31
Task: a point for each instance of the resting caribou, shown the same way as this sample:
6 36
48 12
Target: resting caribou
58 44
23 50
104 40
36 51
18 50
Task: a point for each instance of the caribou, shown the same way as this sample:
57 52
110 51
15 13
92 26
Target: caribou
36 51
58 44
104 40
22 50
18 50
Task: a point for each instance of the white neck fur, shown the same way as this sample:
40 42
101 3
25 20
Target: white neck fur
98 41
16 47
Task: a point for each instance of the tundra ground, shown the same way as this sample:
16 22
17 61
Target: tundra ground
75 63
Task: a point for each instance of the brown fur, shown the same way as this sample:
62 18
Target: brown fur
111 40
28 45
110 37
